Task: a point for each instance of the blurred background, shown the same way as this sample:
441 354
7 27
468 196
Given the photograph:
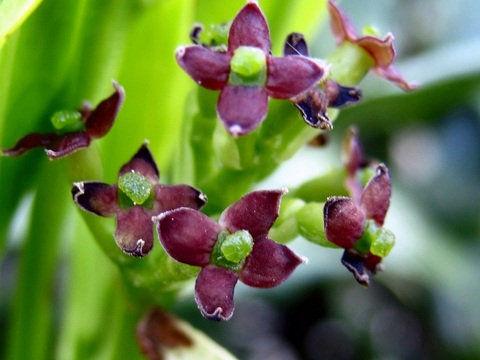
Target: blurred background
423 306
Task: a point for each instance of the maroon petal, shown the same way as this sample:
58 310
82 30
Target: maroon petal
289 76
242 108
96 197
340 96
344 221
352 154
295 44
101 119
313 107
143 163
187 235
269 264
214 292
249 28
30 141
375 198
382 51
391 74
208 68
255 212
68 143
342 28
169 197
134 234
355 263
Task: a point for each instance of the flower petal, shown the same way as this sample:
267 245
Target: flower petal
355 263
249 28
344 221
214 292
313 107
30 141
342 28
187 235
208 68
96 197
269 264
340 96
68 143
134 234
352 153
295 44
391 74
169 197
242 108
100 120
375 198
289 76
143 163
382 51
255 212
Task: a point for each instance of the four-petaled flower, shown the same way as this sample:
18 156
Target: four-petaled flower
75 129
355 224
246 73
134 200
313 103
235 248
381 51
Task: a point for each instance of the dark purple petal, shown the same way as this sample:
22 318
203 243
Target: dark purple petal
96 197
30 141
134 234
269 264
255 212
289 76
187 235
214 292
372 263
249 28
169 197
342 28
208 68
344 221
313 107
340 96
295 44
143 163
375 198
352 153
100 120
68 143
242 108
355 263
390 73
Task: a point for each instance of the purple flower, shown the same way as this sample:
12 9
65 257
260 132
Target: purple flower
382 51
313 103
246 74
355 224
134 200
235 248
87 125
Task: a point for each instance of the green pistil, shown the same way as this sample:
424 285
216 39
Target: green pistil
67 120
231 250
376 240
248 67
136 186
370 30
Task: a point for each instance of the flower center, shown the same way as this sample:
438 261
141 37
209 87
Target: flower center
376 240
248 67
68 120
231 250
136 186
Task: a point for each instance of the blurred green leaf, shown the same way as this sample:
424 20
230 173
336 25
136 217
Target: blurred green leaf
12 14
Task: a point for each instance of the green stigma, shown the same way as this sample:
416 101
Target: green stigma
248 67
370 30
231 250
135 186
383 243
65 118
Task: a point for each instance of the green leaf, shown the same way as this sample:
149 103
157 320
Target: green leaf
12 14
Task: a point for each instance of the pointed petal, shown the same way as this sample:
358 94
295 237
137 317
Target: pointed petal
134 234
214 292
269 264
255 212
208 68
391 74
382 51
96 197
249 28
352 154
169 197
143 163
289 76
30 141
356 265
344 221
340 96
295 44
101 119
242 108
313 107
375 198
187 235
342 28
67 144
